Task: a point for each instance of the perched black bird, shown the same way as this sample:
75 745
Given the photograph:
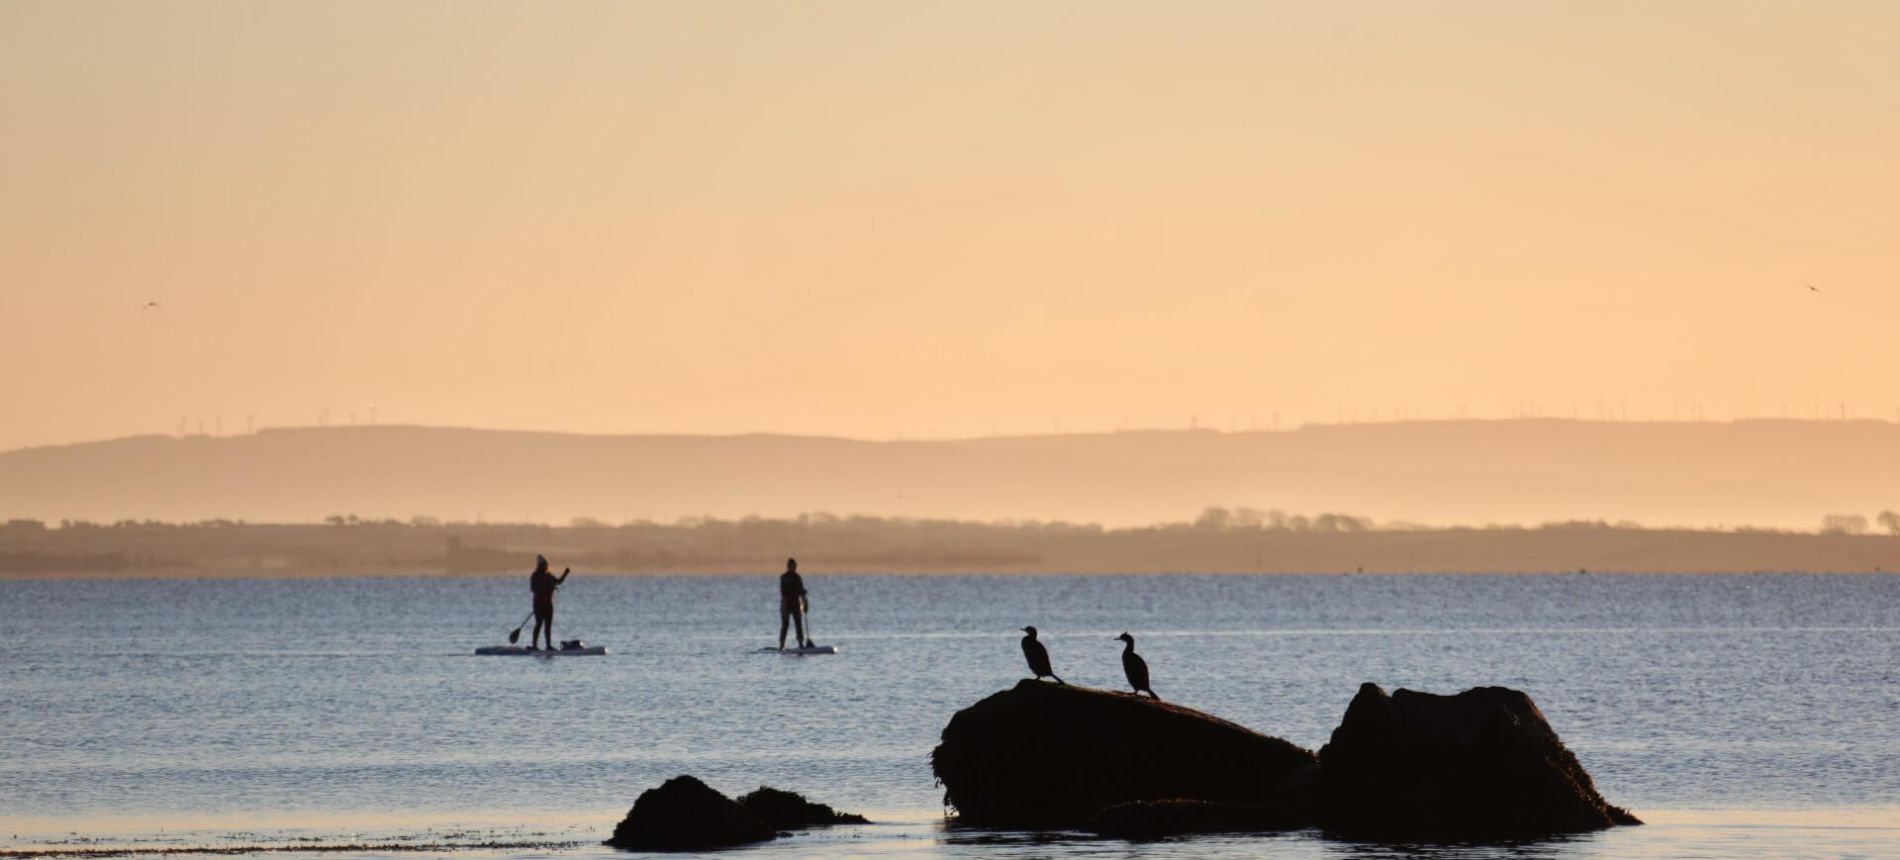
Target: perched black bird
1038 656
1136 667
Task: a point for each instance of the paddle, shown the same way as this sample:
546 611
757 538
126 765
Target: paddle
515 636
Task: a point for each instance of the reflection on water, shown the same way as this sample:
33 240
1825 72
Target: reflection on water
332 710
1861 832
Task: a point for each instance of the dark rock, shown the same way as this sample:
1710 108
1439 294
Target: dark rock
684 814
784 810
1158 819
1049 755
1480 765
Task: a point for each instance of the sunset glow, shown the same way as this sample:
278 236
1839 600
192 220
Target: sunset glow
892 220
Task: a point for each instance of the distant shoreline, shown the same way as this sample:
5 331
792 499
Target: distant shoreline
865 545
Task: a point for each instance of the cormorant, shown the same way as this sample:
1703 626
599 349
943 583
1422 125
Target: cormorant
1038 657
1136 667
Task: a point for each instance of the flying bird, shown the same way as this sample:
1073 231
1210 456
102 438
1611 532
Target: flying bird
1038 657
1812 288
1136 668
149 306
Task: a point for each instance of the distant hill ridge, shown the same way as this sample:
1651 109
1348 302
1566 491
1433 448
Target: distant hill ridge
1766 472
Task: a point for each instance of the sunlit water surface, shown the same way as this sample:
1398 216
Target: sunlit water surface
1744 716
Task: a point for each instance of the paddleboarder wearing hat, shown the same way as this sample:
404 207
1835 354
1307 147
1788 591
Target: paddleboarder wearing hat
543 583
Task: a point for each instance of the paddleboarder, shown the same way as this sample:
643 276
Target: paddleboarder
791 604
543 583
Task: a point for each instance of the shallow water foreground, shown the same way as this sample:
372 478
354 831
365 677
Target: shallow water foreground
1864 832
1743 716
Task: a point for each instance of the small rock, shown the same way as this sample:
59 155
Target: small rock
684 814
785 810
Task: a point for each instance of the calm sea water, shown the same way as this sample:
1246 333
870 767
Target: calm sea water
1746 716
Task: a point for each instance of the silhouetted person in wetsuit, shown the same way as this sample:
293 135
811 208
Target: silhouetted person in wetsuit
791 604
543 582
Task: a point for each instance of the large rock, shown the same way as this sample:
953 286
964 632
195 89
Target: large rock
1480 765
684 814
1048 755
1159 819
784 810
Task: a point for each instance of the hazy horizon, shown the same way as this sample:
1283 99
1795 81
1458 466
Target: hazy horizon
208 432
1769 473
877 221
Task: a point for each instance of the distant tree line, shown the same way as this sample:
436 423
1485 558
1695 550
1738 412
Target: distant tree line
1855 524
1218 539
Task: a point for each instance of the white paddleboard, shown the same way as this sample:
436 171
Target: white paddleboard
801 652
518 651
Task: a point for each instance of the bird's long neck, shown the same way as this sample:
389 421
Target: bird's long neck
1128 646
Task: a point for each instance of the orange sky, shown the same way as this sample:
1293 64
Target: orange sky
883 219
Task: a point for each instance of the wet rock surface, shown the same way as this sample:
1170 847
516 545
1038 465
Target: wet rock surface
1483 766
1479 765
1159 819
1050 755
